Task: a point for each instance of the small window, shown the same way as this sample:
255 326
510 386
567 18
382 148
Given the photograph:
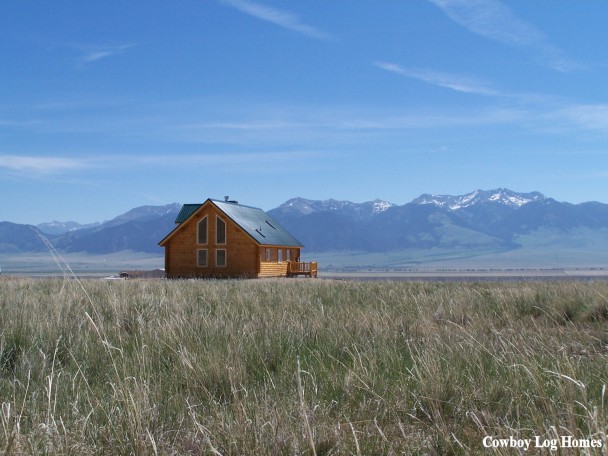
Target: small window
220 231
280 252
202 231
220 258
201 259
267 254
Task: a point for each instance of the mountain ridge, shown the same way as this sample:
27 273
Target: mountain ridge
476 222
499 195
56 227
479 220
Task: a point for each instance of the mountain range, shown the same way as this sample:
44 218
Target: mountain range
138 230
498 220
480 220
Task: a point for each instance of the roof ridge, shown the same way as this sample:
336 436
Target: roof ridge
234 204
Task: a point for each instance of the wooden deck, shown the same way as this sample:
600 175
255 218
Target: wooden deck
296 268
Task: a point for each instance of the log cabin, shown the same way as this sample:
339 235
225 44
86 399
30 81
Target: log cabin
227 239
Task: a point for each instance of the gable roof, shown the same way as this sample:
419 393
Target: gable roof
254 221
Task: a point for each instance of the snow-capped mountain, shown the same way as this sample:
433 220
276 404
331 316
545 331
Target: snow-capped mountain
480 221
138 230
56 227
144 213
139 213
502 196
302 206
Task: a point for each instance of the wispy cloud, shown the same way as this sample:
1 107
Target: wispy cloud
88 53
585 116
278 17
226 158
244 126
491 19
494 20
331 127
41 165
455 82
94 53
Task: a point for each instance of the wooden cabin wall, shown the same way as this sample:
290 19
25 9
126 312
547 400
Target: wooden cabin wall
268 269
181 249
274 253
270 266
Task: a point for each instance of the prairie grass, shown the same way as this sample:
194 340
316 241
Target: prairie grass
299 366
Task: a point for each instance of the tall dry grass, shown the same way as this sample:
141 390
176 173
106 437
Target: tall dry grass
298 366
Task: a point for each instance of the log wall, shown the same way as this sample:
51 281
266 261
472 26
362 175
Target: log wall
245 257
181 251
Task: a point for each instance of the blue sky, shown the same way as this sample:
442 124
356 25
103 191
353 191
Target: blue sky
108 105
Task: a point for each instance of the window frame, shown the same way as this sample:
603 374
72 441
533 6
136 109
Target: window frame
198 258
218 219
198 231
217 265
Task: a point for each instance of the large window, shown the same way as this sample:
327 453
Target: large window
202 231
220 258
280 252
288 254
201 258
220 231
267 254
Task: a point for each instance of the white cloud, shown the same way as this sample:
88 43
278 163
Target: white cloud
493 20
89 53
226 158
95 53
330 127
455 82
586 116
244 126
40 165
278 17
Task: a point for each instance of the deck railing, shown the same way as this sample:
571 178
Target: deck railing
295 268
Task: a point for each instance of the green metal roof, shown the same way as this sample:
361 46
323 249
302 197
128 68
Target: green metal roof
258 224
254 221
186 211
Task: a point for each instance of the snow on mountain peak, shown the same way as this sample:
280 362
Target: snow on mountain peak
501 196
381 206
306 206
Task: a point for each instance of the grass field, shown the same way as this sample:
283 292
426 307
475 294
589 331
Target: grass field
299 366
